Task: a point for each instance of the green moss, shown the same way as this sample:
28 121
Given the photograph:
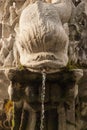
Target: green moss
71 66
13 121
20 67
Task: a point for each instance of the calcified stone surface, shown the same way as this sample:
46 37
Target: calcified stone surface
45 36
28 90
78 37
42 41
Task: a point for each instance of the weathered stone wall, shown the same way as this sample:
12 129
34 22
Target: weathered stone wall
4 82
70 115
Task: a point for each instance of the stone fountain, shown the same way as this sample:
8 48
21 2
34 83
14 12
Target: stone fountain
42 61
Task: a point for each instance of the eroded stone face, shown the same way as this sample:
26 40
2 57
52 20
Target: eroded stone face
42 41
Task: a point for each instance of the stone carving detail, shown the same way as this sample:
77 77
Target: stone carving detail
57 102
45 39
42 43
78 38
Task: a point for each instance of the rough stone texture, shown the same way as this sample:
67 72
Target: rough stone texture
78 37
59 98
50 29
44 36
81 105
4 82
83 85
72 114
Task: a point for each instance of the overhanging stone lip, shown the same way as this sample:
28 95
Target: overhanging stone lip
50 66
25 76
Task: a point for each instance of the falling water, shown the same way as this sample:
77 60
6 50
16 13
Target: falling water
42 100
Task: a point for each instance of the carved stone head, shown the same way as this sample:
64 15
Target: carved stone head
42 41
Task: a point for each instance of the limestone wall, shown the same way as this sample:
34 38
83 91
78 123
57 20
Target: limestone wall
69 114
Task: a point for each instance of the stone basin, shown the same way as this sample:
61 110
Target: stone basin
60 89
23 80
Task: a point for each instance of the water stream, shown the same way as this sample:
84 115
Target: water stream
43 100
